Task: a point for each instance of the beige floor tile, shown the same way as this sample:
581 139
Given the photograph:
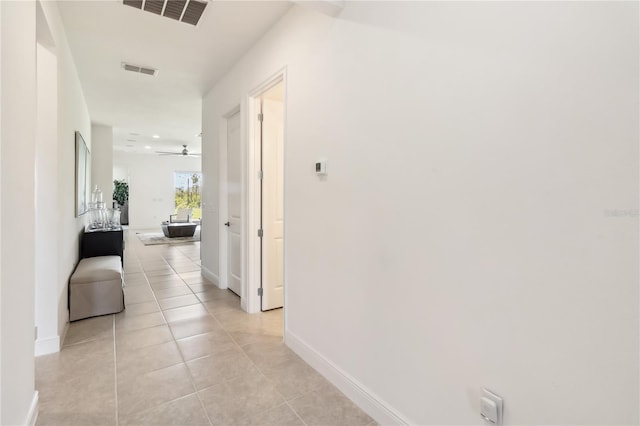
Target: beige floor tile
125 322
134 276
184 411
212 293
328 406
190 275
94 393
205 344
224 304
175 291
135 283
247 337
194 326
155 265
186 312
164 285
132 363
202 287
89 329
232 402
212 369
293 378
138 294
269 353
46 418
131 340
163 279
178 301
152 389
282 415
168 271
80 360
133 309
186 268
193 280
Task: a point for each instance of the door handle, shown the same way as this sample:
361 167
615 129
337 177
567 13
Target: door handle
227 224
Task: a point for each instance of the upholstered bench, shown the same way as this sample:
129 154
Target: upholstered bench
95 288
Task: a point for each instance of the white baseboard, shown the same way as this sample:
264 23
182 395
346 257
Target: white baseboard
372 404
210 276
32 415
47 346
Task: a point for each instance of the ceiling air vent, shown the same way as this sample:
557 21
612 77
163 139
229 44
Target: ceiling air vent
139 69
187 11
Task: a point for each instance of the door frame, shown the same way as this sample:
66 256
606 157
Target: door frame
251 198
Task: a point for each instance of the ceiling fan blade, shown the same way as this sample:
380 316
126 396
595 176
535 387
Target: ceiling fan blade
168 153
193 155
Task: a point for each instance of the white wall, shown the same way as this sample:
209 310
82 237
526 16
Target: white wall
151 186
478 226
102 160
72 115
46 314
17 176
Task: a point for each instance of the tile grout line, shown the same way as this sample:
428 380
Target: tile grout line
295 412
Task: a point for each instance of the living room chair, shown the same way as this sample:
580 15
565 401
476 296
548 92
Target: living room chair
182 216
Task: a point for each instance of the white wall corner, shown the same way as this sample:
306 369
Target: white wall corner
328 7
372 404
47 346
32 415
211 276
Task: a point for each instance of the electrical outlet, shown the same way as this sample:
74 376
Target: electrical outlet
491 407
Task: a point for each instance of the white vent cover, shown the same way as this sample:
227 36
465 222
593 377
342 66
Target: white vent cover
187 11
139 69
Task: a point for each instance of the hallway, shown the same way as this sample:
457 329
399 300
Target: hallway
182 353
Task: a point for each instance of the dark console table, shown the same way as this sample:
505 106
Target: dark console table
102 242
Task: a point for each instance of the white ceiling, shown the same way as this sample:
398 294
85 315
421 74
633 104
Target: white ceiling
103 34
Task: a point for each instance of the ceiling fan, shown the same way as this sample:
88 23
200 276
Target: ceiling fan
184 152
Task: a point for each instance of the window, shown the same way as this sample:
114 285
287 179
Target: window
188 194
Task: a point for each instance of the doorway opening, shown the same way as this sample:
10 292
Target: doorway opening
251 176
270 142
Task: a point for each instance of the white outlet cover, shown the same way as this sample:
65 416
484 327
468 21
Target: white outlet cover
489 415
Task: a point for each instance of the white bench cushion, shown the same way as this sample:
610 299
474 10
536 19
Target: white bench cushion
100 268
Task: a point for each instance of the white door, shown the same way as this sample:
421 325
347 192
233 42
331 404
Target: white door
234 266
272 204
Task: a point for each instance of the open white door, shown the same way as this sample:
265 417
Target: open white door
272 199
234 267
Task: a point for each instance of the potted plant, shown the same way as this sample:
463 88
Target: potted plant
121 196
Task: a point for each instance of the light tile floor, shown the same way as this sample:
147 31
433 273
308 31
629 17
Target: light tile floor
182 353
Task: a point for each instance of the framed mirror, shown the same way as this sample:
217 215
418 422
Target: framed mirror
83 174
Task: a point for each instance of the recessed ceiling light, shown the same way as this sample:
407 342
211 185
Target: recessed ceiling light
156 136
147 146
